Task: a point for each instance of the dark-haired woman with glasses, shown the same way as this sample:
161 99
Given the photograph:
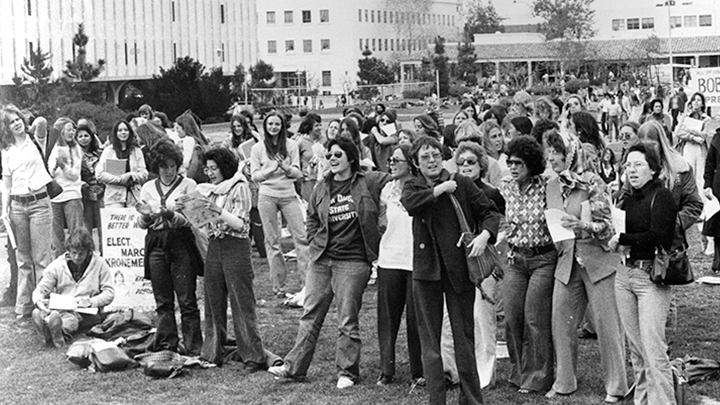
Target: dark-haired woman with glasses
343 227
275 166
395 264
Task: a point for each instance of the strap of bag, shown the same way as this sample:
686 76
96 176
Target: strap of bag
163 197
652 202
464 227
42 155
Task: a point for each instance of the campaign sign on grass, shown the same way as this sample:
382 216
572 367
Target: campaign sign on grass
124 250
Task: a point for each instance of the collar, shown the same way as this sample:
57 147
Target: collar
443 177
646 189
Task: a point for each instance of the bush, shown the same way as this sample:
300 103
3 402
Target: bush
574 85
541 90
214 120
457 90
418 92
104 116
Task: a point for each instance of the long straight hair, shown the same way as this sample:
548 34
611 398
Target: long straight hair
7 138
671 161
246 134
278 149
117 144
191 128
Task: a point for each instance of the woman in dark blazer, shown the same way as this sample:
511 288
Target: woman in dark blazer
440 271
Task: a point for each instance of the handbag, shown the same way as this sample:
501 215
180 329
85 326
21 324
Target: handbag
479 267
54 188
671 267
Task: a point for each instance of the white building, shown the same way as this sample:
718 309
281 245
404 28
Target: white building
134 37
316 44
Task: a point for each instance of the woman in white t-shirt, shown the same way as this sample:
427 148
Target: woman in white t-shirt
64 165
192 141
395 263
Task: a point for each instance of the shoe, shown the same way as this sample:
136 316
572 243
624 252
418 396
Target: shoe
345 382
554 394
252 367
710 248
384 380
613 399
281 372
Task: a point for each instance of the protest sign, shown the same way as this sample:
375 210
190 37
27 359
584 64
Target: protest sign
707 82
124 250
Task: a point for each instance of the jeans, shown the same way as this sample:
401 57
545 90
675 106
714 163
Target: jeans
30 224
528 290
326 279
68 214
229 274
696 155
394 294
643 308
257 232
91 218
172 274
290 208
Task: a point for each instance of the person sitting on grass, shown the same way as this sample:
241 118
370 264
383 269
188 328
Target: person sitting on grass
79 273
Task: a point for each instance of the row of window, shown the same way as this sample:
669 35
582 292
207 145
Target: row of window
688 21
289 16
392 44
400 17
290 45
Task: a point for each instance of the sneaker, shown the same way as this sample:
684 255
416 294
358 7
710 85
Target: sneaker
419 382
279 371
613 399
345 382
384 380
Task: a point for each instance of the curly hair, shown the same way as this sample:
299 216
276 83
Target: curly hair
94 145
542 126
476 150
529 150
7 138
223 158
162 151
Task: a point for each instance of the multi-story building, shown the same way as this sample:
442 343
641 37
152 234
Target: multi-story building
134 37
316 44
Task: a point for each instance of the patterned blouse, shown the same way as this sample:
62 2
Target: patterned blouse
525 212
601 226
237 202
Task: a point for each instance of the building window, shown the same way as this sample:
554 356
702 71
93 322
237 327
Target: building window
385 17
307 45
222 14
366 16
135 52
270 17
289 45
373 44
223 52
675 22
172 10
174 51
361 47
391 17
690 21
633 23
706 20
288 16
29 7
648 23
402 17
392 43
372 15
326 78
126 54
272 46
403 44
324 44
386 45
359 15
324 15
367 43
306 16
618 24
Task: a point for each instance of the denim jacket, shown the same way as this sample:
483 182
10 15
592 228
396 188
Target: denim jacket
366 188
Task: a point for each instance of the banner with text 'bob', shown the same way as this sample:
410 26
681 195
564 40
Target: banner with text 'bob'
707 82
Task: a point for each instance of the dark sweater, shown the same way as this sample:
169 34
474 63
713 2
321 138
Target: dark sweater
648 227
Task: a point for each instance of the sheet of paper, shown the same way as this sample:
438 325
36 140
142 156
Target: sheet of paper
196 212
693 124
709 280
60 302
389 129
246 147
618 220
10 233
557 231
116 167
710 208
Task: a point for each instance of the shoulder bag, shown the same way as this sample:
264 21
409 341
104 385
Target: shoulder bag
671 267
54 188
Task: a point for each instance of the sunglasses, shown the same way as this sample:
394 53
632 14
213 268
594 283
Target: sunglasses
513 162
337 154
470 161
392 161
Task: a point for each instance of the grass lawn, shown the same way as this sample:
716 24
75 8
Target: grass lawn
32 374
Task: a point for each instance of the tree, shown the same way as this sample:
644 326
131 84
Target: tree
262 75
238 81
408 24
79 68
33 89
568 19
177 88
466 66
440 61
373 71
482 19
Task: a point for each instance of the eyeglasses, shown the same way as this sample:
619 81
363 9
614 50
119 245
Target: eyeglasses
624 136
470 161
515 162
383 120
434 156
392 161
209 169
337 154
634 165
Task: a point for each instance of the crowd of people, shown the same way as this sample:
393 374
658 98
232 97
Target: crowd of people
382 202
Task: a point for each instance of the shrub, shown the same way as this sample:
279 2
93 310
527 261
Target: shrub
104 116
457 90
574 85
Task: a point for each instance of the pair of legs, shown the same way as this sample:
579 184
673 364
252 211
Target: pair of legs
58 327
568 306
528 290
327 279
171 274
257 231
429 299
30 222
67 214
394 295
643 308
290 208
229 274
91 218
485 330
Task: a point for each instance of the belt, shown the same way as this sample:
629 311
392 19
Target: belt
533 251
29 198
639 264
